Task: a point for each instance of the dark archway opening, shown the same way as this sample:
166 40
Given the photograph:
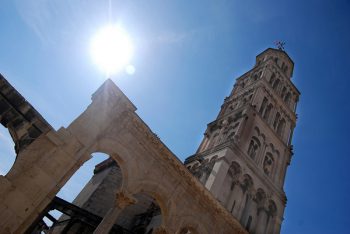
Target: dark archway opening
142 217
84 201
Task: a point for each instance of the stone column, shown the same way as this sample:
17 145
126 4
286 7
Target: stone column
233 196
274 225
239 202
245 208
122 200
261 224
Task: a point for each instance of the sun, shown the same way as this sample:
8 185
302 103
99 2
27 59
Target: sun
111 49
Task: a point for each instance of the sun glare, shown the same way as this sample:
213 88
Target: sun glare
111 49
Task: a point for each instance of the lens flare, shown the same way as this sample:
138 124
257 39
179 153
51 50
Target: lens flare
111 49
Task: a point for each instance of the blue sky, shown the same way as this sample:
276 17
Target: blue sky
187 57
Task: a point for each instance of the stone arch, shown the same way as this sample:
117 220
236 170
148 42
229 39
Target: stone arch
268 164
159 193
213 159
254 147
82 199
127 161
273 149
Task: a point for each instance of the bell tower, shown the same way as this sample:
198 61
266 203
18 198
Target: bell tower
243 157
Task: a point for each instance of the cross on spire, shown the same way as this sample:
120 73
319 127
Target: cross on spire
280 45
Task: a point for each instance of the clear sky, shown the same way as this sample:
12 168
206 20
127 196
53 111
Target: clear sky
187 57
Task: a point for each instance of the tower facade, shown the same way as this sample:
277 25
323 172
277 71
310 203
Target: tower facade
243 157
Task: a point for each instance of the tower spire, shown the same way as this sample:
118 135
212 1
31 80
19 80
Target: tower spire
246 150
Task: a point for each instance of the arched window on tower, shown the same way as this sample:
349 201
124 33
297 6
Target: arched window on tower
263 106
275 84
280 126
268 164
283 93
277 118
254 147
272 78
272 211
267 112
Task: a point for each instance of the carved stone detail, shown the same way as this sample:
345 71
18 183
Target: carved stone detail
123 199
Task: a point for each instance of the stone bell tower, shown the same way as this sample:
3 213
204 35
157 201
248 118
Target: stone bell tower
246 150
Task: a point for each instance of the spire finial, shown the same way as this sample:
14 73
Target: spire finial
280 45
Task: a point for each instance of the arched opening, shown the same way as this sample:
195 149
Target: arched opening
277 119
84 200
267 112
263 106
143 217
283 93
188 230
268 164
275 84
254 147
7 151
272 78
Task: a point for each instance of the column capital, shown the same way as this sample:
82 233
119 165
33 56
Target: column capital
124 199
